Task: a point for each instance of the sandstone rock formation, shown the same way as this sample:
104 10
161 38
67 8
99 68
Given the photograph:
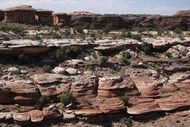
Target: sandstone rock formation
103 20
21 14
116 86
36 115
44 16
61 19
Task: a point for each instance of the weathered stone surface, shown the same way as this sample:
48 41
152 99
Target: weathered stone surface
91 54
52 84
140 106
20 14
88 112
116 86
36 115
149 86
113 105
21 117
175 101
84 87
22 92
44 16
51 113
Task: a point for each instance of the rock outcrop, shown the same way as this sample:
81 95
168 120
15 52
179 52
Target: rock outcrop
116 86
44 16
61 19
2 15
21 14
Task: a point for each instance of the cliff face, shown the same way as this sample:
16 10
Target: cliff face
2 15
21 14
44 17
62 19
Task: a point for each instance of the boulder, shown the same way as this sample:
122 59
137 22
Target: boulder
111 106
14 70
58 70
36 115
116 86
142 105
72 71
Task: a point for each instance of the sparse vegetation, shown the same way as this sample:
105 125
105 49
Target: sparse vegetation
125 99
178 31
125 56
36 38
67 99
102 60
47 68
147 48
108 28
168 54
23 59
42 102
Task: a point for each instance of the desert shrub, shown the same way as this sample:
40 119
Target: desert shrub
56 27
125 99
67 98
178 31
54 35
128 35
60 55
77 49
15 30
86 25
136 37
47 68
23 59
181 37
168 54
147 48
5 38
79 29
36 37
125 56
87 102
102 60
108 28
42 102
114 37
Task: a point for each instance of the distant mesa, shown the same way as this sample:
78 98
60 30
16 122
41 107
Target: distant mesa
81 13
29 15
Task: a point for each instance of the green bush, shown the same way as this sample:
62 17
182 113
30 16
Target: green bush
23 59
125 56
79 29
108 28
147 48
102 60
36 37
54 35
42 102
181 37
125 99
87 102
168 54
67 98
5 38
136 37
47 68
77 49
178 31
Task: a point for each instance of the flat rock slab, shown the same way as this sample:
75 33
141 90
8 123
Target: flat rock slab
21 117
88 112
